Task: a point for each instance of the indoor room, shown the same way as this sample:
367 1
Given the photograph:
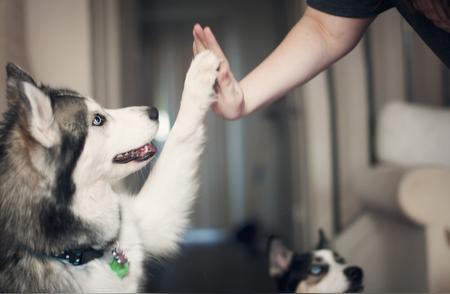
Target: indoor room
359 151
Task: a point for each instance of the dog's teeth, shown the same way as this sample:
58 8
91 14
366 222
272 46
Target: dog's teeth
136 153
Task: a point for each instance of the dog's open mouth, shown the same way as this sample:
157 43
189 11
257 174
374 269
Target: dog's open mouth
140 154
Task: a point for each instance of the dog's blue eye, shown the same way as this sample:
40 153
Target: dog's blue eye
315 270
99 120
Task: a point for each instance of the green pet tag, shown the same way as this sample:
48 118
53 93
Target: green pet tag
119 264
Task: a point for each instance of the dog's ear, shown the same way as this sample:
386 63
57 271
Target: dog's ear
23 91
280 257
323 241
41 122
15 73
15 76
39 115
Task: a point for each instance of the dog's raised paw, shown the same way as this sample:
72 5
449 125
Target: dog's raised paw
200 79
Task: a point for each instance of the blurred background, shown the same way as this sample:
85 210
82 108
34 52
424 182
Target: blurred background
331 155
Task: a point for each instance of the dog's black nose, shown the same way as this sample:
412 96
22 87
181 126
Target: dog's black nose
153 113
354 273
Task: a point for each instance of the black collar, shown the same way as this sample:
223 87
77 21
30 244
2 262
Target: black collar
79 256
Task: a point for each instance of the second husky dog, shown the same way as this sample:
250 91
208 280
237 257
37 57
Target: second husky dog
319 271
62 227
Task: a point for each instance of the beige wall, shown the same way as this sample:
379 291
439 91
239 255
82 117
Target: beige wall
314 202
351 86
59 42
12 40
391 78
49 38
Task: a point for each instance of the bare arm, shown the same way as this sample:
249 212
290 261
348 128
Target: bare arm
313 44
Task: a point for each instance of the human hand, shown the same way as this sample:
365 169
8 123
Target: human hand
230 97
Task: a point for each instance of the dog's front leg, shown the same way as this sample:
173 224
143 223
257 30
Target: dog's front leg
163 204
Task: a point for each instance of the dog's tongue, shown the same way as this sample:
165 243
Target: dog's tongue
145 151
140 154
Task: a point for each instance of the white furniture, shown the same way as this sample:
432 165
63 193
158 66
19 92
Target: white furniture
424 196
415 137
396 253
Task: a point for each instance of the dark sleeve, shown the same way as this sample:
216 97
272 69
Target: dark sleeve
351 8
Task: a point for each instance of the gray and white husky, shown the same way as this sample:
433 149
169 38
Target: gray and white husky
62 226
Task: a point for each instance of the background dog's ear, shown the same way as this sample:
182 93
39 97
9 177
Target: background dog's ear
323 241
280 257
41 122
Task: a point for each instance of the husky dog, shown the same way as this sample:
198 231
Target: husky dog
319 271
62 227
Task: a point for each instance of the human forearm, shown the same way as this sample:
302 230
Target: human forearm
313 44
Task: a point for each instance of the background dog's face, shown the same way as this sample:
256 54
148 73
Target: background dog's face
319 271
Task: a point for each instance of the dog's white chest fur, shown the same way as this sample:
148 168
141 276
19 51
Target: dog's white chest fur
153 221
97 275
